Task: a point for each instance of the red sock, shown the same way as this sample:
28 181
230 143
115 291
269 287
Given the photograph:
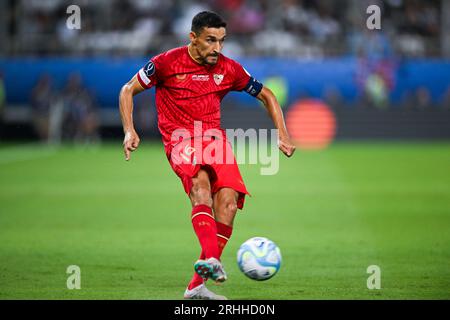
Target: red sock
223 235
205 229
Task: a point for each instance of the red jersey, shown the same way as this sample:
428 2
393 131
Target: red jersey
187 91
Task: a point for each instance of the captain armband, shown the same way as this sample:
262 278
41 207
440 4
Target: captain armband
253 87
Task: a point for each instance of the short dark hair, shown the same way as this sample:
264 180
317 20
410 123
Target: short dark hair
207 19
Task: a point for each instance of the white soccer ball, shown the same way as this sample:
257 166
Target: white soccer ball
259 258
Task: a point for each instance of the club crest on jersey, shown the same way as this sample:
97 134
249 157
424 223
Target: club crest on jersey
149 69
218 78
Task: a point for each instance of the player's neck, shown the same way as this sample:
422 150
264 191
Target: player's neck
193 56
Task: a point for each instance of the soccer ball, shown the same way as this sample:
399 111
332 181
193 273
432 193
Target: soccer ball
259 258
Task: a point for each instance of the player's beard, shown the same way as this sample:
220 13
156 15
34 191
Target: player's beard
214 61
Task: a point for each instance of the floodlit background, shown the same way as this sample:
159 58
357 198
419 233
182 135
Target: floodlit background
369 185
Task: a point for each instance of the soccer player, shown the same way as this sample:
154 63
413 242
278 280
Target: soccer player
190 83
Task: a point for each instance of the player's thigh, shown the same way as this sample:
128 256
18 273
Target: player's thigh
225 205
201 189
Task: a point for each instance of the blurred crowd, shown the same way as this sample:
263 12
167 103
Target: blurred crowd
284 28
67 115
377 97
256 27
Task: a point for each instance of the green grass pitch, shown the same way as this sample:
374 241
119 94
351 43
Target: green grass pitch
127 226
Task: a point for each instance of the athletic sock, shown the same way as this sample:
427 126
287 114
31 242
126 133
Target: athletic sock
206 230
223 235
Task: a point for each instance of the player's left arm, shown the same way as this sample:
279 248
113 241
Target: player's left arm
245 82
269 100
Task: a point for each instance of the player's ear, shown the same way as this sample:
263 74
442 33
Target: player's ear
193 37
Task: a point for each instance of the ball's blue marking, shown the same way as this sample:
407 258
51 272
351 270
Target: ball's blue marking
259 249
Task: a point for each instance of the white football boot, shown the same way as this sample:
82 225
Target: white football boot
202 293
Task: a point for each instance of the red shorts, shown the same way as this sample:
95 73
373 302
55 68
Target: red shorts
214 156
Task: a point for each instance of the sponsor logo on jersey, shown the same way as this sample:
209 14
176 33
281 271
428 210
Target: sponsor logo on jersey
218 78
200 77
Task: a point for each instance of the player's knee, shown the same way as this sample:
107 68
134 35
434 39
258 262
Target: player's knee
226 212
201 195
231 207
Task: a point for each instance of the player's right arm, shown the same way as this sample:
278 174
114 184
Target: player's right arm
146 78
128 91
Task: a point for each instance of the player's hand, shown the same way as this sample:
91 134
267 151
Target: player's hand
286 146
130 143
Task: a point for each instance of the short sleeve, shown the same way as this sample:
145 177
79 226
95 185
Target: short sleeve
241 77
149 75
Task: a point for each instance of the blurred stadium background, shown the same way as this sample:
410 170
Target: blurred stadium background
378 194
393 83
